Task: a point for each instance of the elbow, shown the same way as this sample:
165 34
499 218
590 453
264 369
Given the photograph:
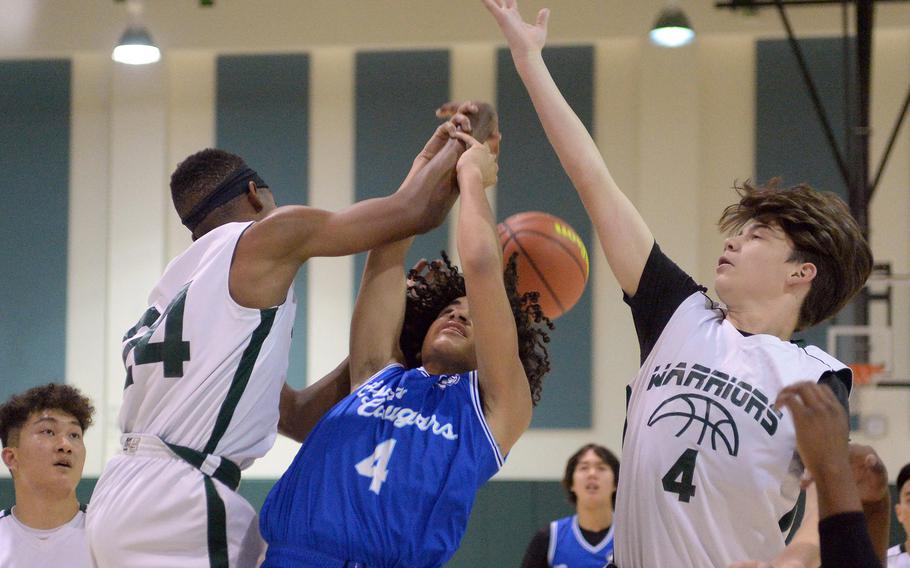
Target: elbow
481 260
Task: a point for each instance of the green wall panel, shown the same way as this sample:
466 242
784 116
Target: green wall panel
262 114
532 179
34 158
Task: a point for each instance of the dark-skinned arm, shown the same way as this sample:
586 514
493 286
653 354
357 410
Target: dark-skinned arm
300 410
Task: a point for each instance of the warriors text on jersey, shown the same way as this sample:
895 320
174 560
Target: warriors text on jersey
569 548
387 478
710 471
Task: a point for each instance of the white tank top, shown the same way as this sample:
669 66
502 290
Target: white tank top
709 467
202 371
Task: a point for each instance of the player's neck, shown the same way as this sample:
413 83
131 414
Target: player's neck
41 511
595 518
777 319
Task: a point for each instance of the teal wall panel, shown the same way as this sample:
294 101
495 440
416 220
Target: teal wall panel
789 137
34 158
397 93
262 114
532 179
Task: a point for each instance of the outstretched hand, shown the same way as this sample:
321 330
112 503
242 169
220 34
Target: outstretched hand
869 473
485 124
477 160
457 120
523 38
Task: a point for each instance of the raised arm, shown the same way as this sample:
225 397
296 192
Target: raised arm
623 234
507 396
273 249
378 312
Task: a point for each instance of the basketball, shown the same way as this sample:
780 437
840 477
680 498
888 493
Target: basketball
552 259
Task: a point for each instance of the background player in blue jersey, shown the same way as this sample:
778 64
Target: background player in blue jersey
585 539
444 371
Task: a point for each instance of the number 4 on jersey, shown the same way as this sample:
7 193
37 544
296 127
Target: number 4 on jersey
172 352
376 466
679 478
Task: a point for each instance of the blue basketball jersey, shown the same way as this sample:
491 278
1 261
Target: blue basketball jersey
387 478
569 549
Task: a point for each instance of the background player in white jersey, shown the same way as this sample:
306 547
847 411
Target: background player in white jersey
445 372
898 557
41 430
585 539
710 474
206 363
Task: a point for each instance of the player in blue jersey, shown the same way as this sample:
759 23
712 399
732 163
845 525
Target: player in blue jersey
445 369
585 539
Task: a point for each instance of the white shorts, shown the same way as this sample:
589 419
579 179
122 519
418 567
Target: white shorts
151 509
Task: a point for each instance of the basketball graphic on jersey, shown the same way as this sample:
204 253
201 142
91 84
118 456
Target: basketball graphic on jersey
687 409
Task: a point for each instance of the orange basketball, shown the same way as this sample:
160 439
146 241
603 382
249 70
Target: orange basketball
552 259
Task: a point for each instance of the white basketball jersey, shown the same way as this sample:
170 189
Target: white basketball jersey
202 371
898 556
25 547
709 467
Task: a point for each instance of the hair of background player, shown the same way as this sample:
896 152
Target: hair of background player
52 396
603 453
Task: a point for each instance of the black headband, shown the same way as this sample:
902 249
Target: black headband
237 183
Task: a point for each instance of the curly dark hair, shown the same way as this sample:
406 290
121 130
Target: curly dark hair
427 296
52 396
823 232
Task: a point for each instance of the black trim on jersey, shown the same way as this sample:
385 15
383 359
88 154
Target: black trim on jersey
241 378
903 548
625 423
227 472
83 507
839 382
662 287
4 513
216 526
793 518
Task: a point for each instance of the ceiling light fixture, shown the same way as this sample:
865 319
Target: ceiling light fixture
672 28
136 48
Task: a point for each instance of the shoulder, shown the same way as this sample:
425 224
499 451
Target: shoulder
695 310
391 372
823 358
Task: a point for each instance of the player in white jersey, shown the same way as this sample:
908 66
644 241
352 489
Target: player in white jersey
41 430
898 557
710 474
205 364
